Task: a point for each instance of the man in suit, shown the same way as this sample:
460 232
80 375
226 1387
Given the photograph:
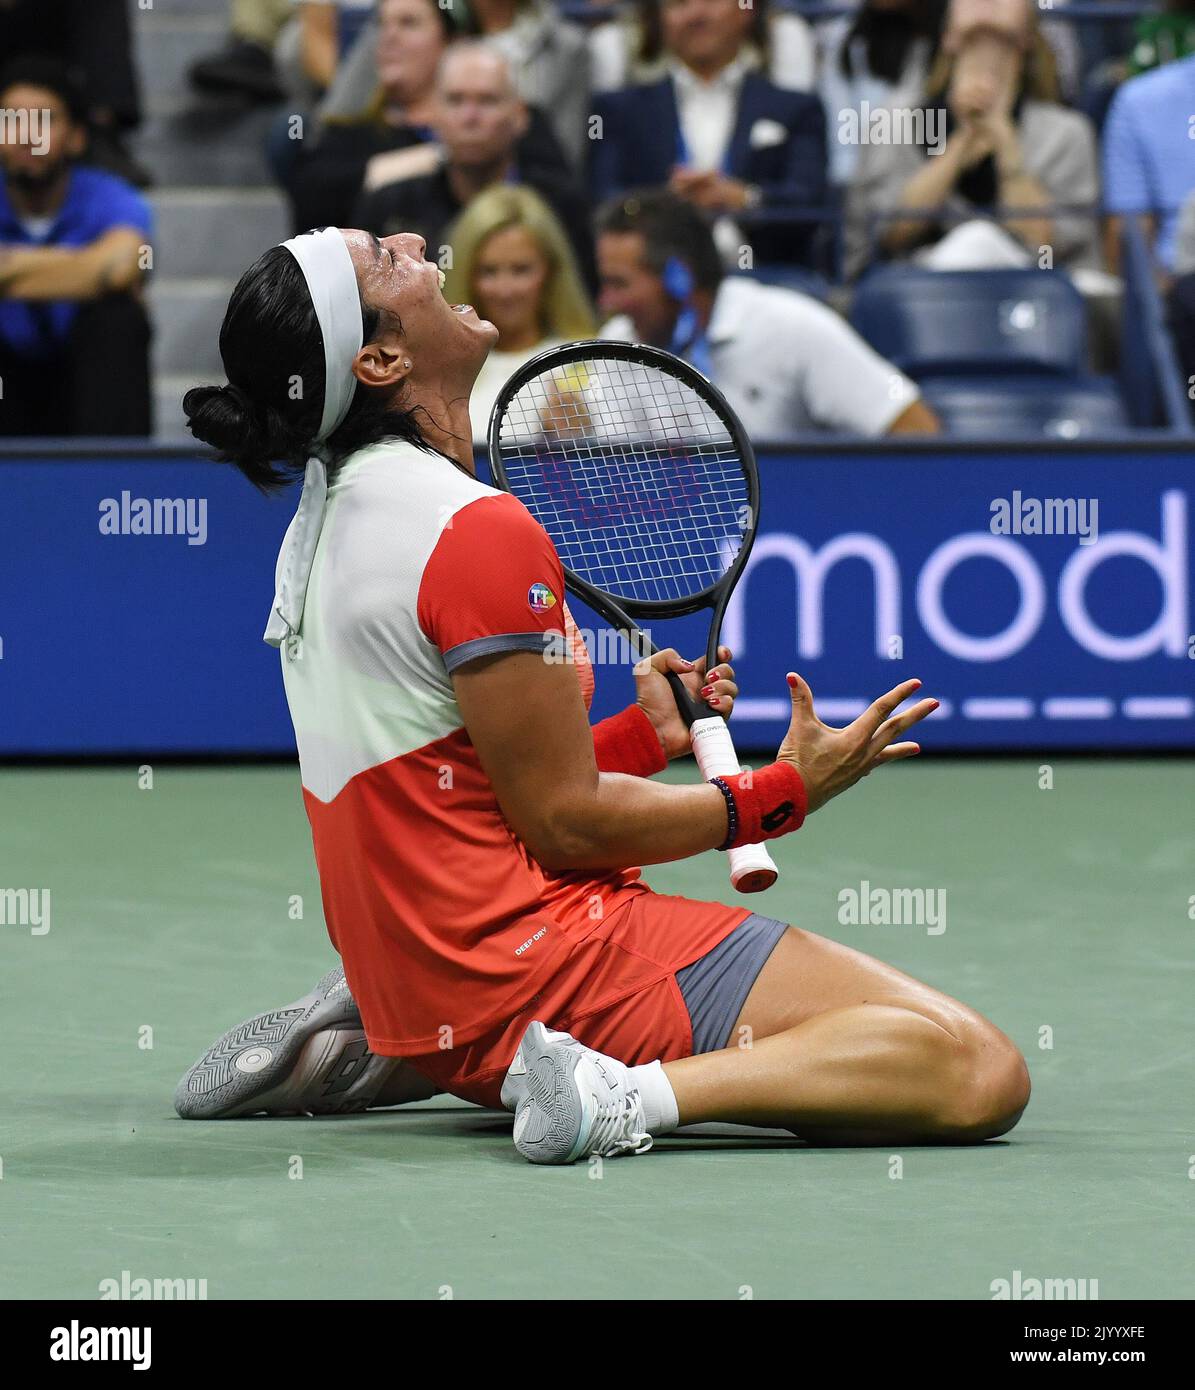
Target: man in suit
717 133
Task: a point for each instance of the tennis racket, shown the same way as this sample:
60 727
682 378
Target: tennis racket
646 482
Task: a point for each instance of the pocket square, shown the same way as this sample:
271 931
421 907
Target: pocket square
766 133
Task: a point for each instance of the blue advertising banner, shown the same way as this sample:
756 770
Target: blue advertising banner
1043 596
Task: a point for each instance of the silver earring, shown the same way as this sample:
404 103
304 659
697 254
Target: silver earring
406 362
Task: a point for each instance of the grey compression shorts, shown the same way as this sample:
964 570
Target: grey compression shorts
715 987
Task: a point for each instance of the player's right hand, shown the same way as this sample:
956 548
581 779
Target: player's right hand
831 760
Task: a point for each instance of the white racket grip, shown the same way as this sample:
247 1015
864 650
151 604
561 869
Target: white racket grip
751 866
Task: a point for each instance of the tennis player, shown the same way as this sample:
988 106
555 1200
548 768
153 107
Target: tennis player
478 842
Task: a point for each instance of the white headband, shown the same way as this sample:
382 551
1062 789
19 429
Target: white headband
327 267
331 280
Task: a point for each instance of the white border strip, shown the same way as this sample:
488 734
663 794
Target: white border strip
1061 707
998 707
1158 707
1078 707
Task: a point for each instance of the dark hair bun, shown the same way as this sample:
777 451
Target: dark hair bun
243 433
223 416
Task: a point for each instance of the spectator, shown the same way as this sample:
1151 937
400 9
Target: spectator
412 37
1156 37
90 38
74 338
1149 156
1182 295
480 122
245 65
995 141
325 32
787 364
512 261
1163 37
547 55
1184 238
715 131
880 56
281 48
631 48
550 60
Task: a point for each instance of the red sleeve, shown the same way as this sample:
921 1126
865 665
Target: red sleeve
493 583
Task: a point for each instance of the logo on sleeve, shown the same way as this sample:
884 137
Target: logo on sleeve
541 598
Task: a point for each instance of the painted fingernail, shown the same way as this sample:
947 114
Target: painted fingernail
707 689
713 703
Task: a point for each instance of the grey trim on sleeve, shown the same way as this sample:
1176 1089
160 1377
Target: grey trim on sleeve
501 642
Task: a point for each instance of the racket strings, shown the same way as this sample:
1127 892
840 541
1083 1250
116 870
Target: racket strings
632 473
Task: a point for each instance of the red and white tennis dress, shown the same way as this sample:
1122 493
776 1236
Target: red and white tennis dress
452 936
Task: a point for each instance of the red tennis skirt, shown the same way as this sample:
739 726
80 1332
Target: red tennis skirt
616 992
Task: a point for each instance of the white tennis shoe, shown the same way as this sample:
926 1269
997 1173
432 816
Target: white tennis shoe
570 1101
310 1057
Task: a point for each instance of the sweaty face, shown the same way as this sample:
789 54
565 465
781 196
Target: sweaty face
40 136
445 343
629 286
509 278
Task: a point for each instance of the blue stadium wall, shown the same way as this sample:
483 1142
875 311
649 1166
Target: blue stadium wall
872 564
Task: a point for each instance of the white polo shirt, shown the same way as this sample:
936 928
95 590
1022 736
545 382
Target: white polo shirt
788 365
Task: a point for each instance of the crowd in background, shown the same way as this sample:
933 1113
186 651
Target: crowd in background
690 173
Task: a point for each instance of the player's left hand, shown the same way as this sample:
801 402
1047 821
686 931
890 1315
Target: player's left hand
654 695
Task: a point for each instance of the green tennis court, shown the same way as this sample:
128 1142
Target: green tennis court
173 910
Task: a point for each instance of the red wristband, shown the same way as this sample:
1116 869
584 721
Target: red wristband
768 803
628 742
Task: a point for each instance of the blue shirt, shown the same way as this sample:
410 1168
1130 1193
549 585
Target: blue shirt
95 203
1149 149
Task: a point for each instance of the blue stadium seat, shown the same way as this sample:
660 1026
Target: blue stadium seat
1004 407
952 323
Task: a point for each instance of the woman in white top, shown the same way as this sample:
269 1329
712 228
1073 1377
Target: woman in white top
880 56
512 261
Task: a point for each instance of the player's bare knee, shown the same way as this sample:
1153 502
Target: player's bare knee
1011 1089
991 1091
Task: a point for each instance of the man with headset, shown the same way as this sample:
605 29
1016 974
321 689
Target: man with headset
787 364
